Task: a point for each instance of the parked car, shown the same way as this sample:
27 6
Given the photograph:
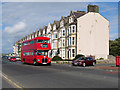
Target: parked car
84 61
4 57
12 59
18 58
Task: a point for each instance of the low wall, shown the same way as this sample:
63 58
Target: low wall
97 62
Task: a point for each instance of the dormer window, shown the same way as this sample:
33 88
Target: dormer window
54 27
71 19
44 31
61 24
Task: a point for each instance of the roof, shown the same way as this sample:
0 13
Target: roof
77 14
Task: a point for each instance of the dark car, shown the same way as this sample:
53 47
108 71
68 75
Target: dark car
84 61
4 57
12 59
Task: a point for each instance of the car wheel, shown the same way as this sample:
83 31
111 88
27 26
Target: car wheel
93 63
84 64
73 64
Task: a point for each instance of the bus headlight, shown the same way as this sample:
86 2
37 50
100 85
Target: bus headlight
38 59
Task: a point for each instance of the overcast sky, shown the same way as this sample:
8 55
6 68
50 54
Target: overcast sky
22 18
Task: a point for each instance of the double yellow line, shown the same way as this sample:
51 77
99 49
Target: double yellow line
14 84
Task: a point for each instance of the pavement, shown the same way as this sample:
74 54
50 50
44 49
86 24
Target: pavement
58 76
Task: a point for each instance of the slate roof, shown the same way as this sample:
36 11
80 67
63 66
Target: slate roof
77 14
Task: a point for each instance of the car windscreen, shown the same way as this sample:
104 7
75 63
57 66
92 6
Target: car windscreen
12 57
17 57
81 58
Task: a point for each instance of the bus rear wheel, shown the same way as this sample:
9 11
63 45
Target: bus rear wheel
35 62
23 61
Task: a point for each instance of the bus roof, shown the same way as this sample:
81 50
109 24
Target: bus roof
43 38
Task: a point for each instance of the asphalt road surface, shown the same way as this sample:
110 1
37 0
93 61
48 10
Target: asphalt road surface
16 74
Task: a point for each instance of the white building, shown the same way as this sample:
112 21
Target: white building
62 37
93 35
54 38
15 48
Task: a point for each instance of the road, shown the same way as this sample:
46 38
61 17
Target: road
55 76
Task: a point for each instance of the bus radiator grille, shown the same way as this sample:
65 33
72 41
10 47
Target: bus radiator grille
44 60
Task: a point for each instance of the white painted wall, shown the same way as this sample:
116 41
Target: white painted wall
93 35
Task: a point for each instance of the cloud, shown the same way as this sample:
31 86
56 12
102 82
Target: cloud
15 28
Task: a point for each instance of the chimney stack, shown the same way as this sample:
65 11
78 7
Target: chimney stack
93 8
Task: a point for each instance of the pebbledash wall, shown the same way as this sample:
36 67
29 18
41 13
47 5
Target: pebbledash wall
78 33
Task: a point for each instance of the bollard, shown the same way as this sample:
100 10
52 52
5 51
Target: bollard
117 61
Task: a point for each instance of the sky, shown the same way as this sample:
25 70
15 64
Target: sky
22 18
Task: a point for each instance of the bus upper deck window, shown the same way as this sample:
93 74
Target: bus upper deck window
40 41
35 41
46 41
32 41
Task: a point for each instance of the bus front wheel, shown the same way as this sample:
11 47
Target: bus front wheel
23 61
49 64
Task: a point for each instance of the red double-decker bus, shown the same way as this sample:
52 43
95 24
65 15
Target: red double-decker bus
35 51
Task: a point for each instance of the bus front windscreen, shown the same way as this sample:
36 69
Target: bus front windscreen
41 52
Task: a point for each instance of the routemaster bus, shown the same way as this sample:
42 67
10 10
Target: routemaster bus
35 51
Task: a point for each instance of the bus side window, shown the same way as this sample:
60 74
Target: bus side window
32 41
29 42
31 53
28 53
24 54
35 52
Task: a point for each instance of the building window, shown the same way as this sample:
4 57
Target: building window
63 44
73 29
70 53
73 52
72 19
56 35
63 32
70 40
70 30
73 40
